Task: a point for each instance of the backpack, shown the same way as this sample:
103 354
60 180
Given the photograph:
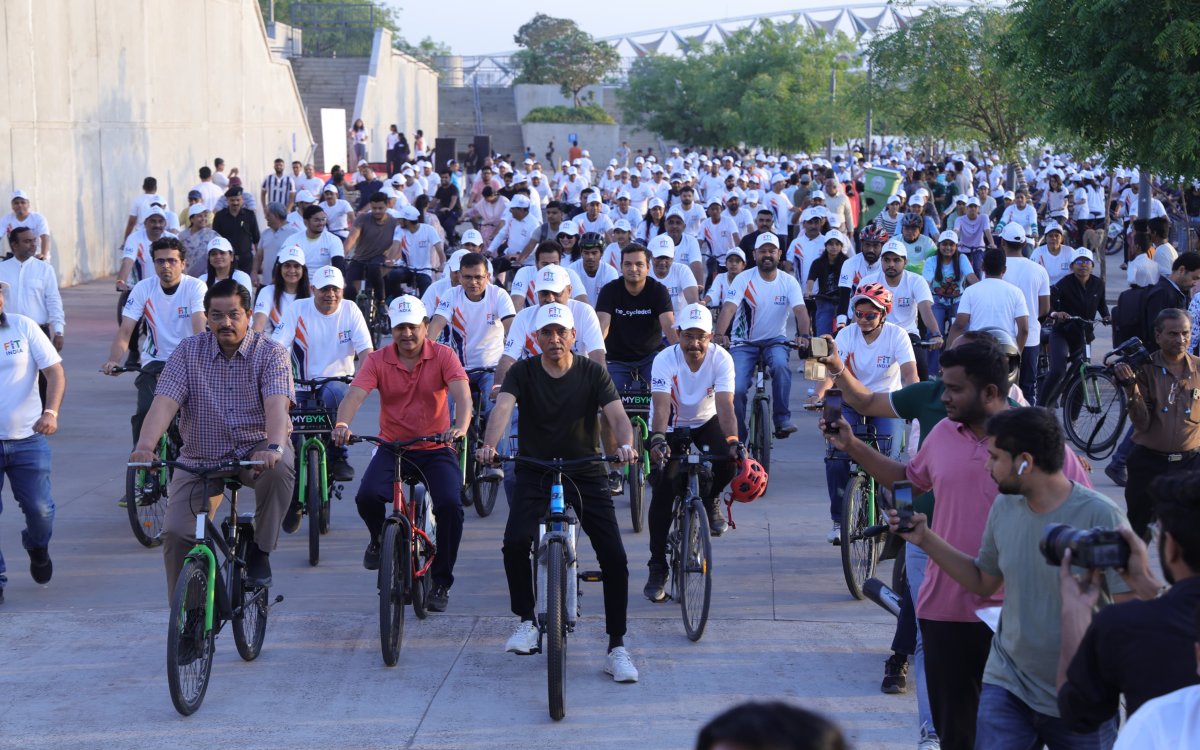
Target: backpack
1128 319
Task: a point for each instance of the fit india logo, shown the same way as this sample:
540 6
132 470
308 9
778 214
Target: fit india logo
554 312
344 337
781 299
404 306
16 346
904 301
547 275
883 361
694 314
182 313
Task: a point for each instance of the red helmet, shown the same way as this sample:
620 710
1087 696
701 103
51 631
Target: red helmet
750 482
873 234
875 293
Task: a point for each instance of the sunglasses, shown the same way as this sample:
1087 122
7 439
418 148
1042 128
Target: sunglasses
866 315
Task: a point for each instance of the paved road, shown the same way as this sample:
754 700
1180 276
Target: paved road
82 659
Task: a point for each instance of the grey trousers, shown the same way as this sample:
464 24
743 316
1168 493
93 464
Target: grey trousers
272 494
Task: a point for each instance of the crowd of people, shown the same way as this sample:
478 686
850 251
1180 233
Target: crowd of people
551 290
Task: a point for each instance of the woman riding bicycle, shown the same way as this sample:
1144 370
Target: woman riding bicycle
289 282
1079 295
948 273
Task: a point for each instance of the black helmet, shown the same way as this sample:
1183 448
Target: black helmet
591 239
912 220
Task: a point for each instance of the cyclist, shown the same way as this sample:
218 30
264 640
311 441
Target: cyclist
321 247
367 246
821 290
135 254
518 235
1080 295
560 397
1054 256
947 276
720 234
761 298
859 267
910 297
593 219
524 283
974 234
222 265
324 333
415 377
289 282
439 289
810 244
735 263
589 269
675 276
919 243
881 356
687 248
635 313
416 249
622 236
692 388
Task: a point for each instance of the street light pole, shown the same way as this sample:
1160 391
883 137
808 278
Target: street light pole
867 145
832 92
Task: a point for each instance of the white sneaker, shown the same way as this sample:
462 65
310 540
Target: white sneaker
524 639
929 743
619 664
835 535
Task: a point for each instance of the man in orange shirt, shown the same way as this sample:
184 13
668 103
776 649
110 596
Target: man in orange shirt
414 376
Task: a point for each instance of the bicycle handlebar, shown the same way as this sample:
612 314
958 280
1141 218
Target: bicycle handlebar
393 445
199 471
119 370
559 463
317 382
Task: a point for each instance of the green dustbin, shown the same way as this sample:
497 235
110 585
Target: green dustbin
879 185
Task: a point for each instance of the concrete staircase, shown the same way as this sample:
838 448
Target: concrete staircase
329 83
456 117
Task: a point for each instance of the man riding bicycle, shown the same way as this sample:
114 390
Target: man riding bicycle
367 246
416 250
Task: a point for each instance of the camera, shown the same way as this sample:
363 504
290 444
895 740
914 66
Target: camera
1090 548
1131 353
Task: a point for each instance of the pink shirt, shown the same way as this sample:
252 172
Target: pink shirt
952 462
412 402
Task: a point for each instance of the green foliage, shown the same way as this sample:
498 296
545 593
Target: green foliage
1115 76
555 50
347 28
426 50
768 86
945 75
591 114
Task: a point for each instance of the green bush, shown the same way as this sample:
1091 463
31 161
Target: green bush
591 114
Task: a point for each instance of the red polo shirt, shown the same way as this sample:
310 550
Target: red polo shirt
412 402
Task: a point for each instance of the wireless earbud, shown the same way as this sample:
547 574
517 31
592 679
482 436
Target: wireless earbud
1021 469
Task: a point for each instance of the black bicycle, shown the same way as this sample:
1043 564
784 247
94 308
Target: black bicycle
145 490
209 593
636 400
480 486
1094 407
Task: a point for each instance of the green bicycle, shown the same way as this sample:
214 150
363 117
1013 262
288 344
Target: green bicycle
313 425
146 489
864 541
636 400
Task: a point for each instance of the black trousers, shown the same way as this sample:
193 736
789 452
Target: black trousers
1144 466
671 481
147 383
955 655
594 507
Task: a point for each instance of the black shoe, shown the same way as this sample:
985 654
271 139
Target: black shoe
291 519
258 567
784 430
371 556
1117 474
340 470
438 599
40 566
1 596
895 675
717 525
616 484
656 585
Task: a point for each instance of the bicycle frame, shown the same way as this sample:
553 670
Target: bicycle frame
559 527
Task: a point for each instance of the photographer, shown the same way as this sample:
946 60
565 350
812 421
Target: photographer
1139 649
1018 706
1164 407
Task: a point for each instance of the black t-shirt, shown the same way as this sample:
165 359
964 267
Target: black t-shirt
635 332
557 417
826 274
445 194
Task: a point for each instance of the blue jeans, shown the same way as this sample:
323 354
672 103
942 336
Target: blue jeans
826 314
944 312
26 463
1029 358
915 560
622 372
837 470
1124 448
330 396
745 355
1004 722
483 382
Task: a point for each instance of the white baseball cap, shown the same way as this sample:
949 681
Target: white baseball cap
409 213
895 247
406 309
948 235
622 225
551 278
518 201
19 195
594 197
305 197
1052 226
916 200
736 251
834 235
656 203
766 238
894 199
471 237
1013 232
553 314
291 254
624 194
1010 195
331 188
328 276
196 208
973 201
153 211
568 228
695 315
662 246
1082 253
454 262
219 243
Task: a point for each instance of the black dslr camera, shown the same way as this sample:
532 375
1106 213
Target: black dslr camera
1090 548
1131 353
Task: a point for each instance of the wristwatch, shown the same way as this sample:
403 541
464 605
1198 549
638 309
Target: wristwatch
276 447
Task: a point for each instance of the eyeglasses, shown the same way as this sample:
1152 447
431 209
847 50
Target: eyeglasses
220 317
166 261
866 315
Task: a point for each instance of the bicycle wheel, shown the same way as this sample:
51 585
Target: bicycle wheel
556 629
393 572
145 501
370 313
636 479
249 608
420 585
469 469
189 650
762 429
695 568
483 494
1093 412
859 555
312 503
326 510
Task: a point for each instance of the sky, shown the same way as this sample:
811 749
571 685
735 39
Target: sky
480 27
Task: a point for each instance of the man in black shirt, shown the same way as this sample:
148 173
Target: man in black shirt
560 395
448 207
1142 649
240 226
764 221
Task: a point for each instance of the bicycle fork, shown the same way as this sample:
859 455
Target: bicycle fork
312 442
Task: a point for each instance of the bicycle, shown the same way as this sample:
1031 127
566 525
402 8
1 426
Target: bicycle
1091 397
146 490
758 419
558 586
863 508
313 424
209 594
408 545
480 488
636 400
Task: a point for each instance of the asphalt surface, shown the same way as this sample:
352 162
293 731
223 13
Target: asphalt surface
82 659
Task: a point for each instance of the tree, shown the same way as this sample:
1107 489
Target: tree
1115 78
347 29
427 50
555 50
945 75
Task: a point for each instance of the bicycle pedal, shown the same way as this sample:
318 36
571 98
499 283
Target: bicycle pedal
591 576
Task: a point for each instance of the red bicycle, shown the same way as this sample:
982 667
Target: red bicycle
408 545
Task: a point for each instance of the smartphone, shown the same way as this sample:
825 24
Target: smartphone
818 347
833 409
902 498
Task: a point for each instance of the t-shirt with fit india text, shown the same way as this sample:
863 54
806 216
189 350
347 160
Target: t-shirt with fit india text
25 351
558 417
476 328
323 345
876 364
522 338
168 316
693 394
763 306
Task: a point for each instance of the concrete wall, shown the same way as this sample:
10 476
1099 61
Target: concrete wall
100 93
601 141
397 90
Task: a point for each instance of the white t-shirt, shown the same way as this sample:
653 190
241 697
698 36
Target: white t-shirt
168 318
516 234
719 236
524 285
321 251
1154 272
433 295
1026 217
781 207
802 253
416 248
612 258
855 270
1168 722
763 307
241 277
35 221
340 214
522 337
687 250
692 219
1057 266
591 284
692 393
323 345
26 352
476 328
909 292
1032 280
601 225
679 278
993 303
265 304
639 196
137 249
718 292
876 364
